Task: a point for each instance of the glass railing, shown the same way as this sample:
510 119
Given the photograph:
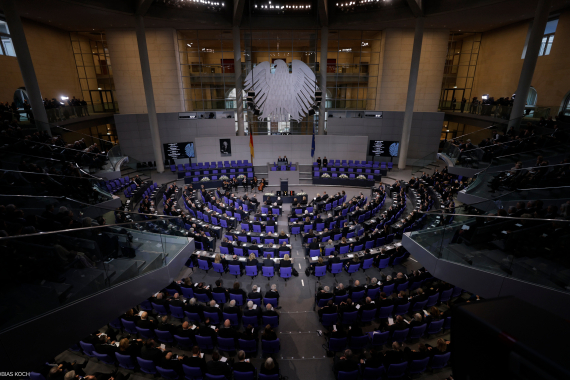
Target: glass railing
71 137
143 167
526 248
115 155
45 271
423 162
502 111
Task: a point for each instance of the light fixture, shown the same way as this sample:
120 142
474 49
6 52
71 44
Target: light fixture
64 97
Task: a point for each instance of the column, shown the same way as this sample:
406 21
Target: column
529 64
26 65
413 81
149 93
323 68
239 80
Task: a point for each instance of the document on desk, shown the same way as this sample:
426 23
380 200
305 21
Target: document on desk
357 307
254 306
212 327
350 255
201 355
390 321
314 258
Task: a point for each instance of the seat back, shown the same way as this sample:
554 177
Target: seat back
397 370
270 346
168 374
347 375
147 366
125 361
329 319
251 270
440 361
285 272
385 312
249 321
219 297
435 327
320 271
204 342
192 373
268 271
226 344
238 298
367 315
273 321
337 344
349 318
418 366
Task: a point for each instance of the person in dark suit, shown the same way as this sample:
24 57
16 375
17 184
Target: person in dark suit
241 365
398 325
185 330
238 291
270 312
340 291
220 289
368 305
346 363
285 262
195 360
249 333
226 243
319 162
232 308
254 294
394 356
211 308
272 293
268 333
106 346
417 321
267 262
227 331
252 260
401 299
150 351
384 301
165 325
334 259
419 296
355 288
216 367
419 354
270 367
145 322
201 289
130 316
330 308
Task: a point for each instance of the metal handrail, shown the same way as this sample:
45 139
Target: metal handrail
498 217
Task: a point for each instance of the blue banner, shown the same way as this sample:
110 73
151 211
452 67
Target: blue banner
313 148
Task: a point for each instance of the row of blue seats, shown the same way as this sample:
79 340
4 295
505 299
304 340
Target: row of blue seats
250 270
190 172
393 371
206 165
149 191
215 177
115 185
357 163
347 170
205 343
283 168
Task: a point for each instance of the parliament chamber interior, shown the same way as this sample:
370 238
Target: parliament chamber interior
285 189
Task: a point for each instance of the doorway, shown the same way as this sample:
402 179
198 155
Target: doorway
102 101
446 100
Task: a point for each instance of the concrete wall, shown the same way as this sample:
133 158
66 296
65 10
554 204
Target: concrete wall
395 61
500 64
53 61
424 138
347 138
164 66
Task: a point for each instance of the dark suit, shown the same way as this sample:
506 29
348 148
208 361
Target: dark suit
196 362
218 368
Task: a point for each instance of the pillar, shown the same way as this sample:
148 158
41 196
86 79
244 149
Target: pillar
323 68
529 64
149 93
413 81
26 65
239 80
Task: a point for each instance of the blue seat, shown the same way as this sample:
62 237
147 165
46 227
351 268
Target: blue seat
434 327
238 298
337 344
431 301
160 309
194 317
164 336
192 373
273 321
268 272
329 319
249 321
104 358
396 371
352 268
347 375
440 361
204 342
214 318
418 366
227 344
370 373
348 318
320 271
248 346
268 377
285 273
339 299
379 339
417 332
385 312
402 309
388 289
232 317
357 296
367 315
125 361
400 335
251 271
358 342
220 298
202 297
129 326
147 366
244 375
87 349
184 342
336 268
146 333
168 374
270 346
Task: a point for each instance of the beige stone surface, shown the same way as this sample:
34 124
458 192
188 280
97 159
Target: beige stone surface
53 61
164 68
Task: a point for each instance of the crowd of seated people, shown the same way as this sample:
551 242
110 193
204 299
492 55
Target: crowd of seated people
500 144
542 173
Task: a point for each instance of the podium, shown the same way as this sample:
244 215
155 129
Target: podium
284 185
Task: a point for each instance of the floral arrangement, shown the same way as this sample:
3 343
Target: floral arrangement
361 177
325 175
241 176
301 193
270 194
205 179
224 178
343 176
